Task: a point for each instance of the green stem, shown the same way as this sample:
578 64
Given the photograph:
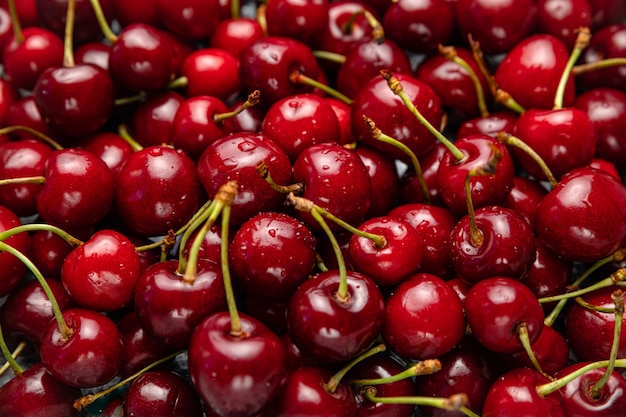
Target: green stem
264 172
10 363
15 21
550 387
606 282
378 240
235 320
234 9
68 46
44 138
476 235
342 291
252 100
180 82
130 99
522 333
122 130
582 41
298 78
63 328
504 98
330 56
102 21
426 367
334 381
456 402
189 267
593 66
17 369
618 300
34 227
511 140
24 180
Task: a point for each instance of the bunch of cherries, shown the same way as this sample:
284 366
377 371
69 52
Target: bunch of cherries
312 208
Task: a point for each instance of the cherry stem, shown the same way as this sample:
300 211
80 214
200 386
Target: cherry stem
396 87
15 22
511 140
130 99
330 56
615 278
582 41
44 138
378 33
17 369
319 263
85 400
504 98
425 367
102 21
122 130
190 265
261 17
68 47
456 402
593 66
302 204
263 170
480 60
63 328
450 53
618 300
252 100
297 77
522 333
334 381
234 9
180 82
194 223
11 363
592 307
34 227
23 180
617 256
379 135
550 387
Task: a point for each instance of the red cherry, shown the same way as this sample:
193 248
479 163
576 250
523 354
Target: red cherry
607 42
127 13
95 53
411 188
151 122
524 198
110 147
8 95
562 18
301 20
233 35
211 72
383 181
192 20
551 351
489 125
52 15
48 251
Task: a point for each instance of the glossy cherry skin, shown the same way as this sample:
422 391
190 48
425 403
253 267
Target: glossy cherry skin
593 201
36 393
299 121
434 225
90 357
296 19
211 72
111 262
272 254
95 53
514 394
564 139
525 196
399 257
376 101
496 306
25 61
267 64
423 318
503 121
136 12
6 28
606 109
410 187
578 399
607 42
562 18
52 15
507 248
13 269
8 95
303 394
531 71
24 112
590 333
219 362
157 190
27 311
160 394
141 59
92 186
235 157
191 20
329 329
332 175
48 250
110 147
486 190
75 101
384 181
606 12
338 36
232 35
22 158
152 120
168 308
551 350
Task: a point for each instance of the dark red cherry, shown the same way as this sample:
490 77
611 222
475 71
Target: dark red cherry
346 27
551 351
26 10
162 393
329 329
232 35
272 254
35 393
24 112
410 187
423 318
52 14
110 147
383 180
145 11
268 311
562 18
48 250
531 71
75 101
8 95
25 61
95 53
6 28
157 190
211 72
235 157
606 12
13 269
524 198
607 42
301 20
191 20
169 308
582 218
296 122
491 125
92 186
495 307
152 120
90 356
220 362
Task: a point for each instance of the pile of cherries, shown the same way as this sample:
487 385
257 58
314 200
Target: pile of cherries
313 208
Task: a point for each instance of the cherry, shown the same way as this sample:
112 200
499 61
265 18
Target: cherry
503 121
169 308
551 351
524 198
90 356
95 53
157 190
52 15
562 18
48 251
250 119
162 393
219 361
495 309
419 26
383 181
514 394
152 120
296 19
272 254
210 248
110 147
606 43
346 26
51 397
267 65
410 186
24 112
8 95
331 329
136 12
22 158
591 200
92 186
605 12
299 121
26 11
235 157
211 72
268 311
233 35
191 20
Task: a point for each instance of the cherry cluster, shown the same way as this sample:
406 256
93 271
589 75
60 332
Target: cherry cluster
312 208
